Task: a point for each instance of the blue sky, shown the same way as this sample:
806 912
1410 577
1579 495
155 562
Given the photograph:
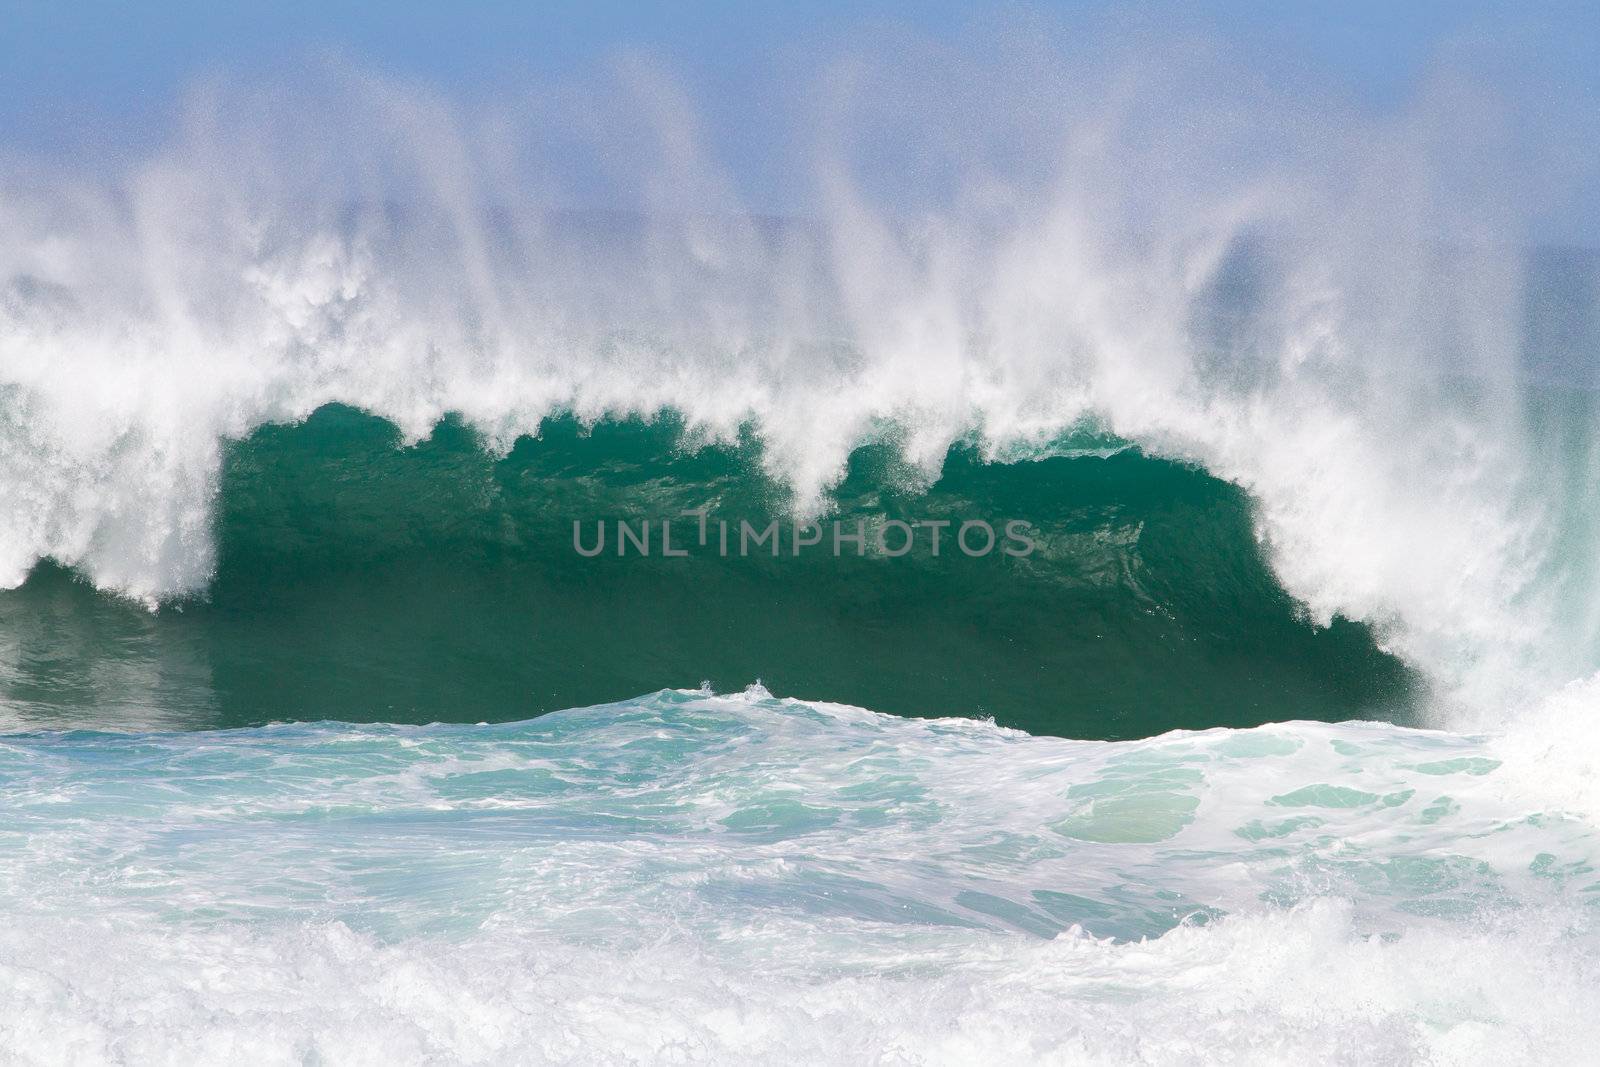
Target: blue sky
76 79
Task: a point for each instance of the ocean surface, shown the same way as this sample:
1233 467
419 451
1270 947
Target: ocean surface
685 877
324 740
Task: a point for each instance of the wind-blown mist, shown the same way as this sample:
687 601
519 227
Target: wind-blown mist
1332 309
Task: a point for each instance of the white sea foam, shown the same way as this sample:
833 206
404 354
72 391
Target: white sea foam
691 878
1301 985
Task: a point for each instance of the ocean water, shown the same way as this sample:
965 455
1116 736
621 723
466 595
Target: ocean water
362 581
321 742
687 877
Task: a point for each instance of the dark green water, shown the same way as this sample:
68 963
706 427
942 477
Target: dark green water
359 580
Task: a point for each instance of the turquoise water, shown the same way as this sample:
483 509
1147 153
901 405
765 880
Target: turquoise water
686 877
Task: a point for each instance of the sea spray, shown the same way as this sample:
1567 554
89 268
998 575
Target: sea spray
1352 356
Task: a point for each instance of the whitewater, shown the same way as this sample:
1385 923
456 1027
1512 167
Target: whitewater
1355 333
696 878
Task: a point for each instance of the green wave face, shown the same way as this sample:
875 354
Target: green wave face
360 580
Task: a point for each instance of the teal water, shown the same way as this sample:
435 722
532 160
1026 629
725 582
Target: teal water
684 877
363 581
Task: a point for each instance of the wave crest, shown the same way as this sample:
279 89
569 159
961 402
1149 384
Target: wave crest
1294 328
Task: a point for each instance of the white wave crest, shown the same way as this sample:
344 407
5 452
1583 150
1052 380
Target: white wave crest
1293 324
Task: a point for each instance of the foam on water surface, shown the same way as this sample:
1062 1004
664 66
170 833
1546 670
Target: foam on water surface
693 877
